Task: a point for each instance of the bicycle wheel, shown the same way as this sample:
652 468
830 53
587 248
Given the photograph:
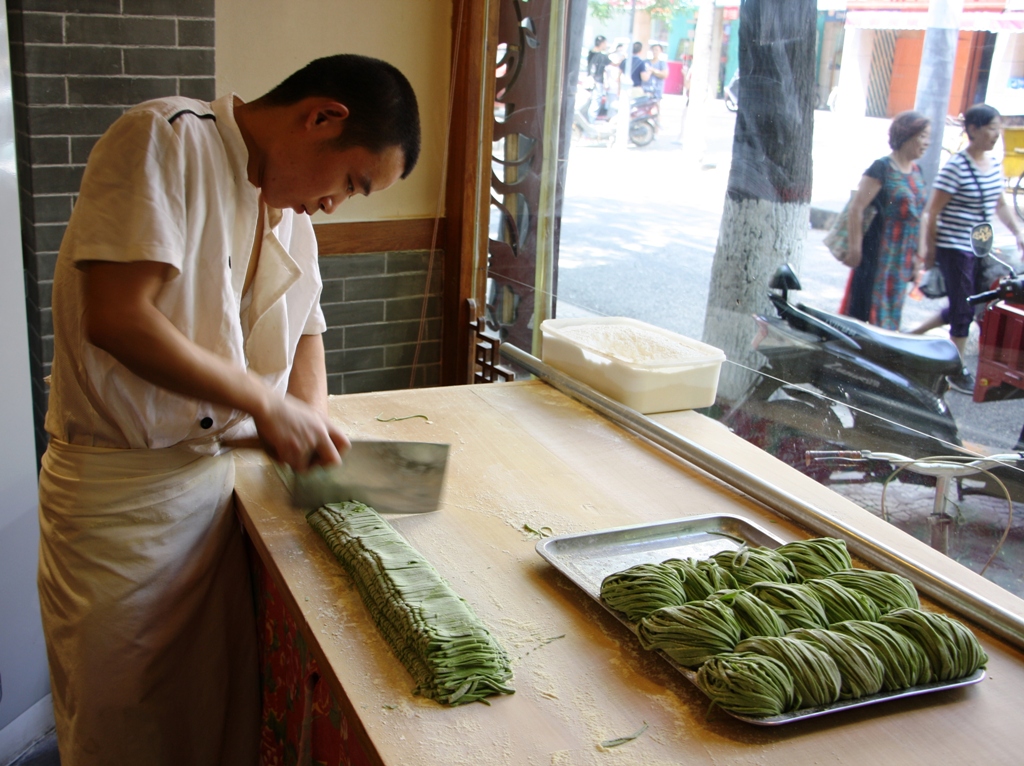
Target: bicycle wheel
1018 196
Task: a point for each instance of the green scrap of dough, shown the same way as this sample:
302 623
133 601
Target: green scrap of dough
404 417
623 740
449 652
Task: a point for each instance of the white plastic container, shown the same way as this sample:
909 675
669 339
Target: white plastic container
635 363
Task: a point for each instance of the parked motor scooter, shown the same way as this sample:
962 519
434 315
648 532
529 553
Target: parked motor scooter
832 382
596 128
598 124
643 120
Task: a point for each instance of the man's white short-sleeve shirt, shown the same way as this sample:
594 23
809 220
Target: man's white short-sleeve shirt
168 183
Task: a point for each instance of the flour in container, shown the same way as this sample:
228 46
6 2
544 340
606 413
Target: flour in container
631 344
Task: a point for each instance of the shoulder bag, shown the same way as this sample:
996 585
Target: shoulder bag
837 240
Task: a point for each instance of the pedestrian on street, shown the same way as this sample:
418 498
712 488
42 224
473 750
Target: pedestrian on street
885 257
968 191
658 68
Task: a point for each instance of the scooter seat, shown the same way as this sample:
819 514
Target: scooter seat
895 350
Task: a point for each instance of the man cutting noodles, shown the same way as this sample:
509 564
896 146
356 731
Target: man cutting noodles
186 313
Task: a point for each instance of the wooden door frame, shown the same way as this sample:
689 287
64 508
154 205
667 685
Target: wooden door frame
474 35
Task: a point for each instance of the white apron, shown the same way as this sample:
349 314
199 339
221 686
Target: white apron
147 608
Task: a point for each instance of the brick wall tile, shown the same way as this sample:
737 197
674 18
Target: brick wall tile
411 308
46 264
410 260
57 179
48 150
335 385
389 333
71 120
44 293
53 209
45 90
46 322
356 312
81 146
169 61
352 360
341 266
402 355
193 8
376 380
394 286
334 338
196 33
203 88
40 28
78 59
48 238
126 91
390 380
118 30
71 6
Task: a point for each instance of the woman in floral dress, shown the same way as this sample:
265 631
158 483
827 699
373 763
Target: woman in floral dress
886 258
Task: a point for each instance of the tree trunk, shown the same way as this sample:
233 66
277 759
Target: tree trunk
767 208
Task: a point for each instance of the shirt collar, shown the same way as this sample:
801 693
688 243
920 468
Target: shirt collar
238 153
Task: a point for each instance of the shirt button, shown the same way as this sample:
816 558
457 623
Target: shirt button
206 422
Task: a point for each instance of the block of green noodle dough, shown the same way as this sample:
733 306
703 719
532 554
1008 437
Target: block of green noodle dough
449 652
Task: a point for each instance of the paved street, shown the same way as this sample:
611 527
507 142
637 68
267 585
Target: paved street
639 229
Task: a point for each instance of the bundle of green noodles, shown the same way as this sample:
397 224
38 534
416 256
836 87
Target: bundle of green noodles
818 557
889 591
862 672
754 616
841 603
903 659
952 649
748 684
795 606
816 677
436 635
701 578
751 565
639 590
691 633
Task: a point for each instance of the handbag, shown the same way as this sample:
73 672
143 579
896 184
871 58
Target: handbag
837 240
932 284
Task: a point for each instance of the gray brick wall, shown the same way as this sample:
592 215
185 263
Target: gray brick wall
76 66
373 303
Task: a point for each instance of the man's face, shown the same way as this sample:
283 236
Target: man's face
312 176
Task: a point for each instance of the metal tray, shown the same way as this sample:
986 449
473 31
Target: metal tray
588 558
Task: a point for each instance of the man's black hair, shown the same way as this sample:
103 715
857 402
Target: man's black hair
637 47
381 102
599 39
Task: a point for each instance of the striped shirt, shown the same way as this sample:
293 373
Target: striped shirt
972 202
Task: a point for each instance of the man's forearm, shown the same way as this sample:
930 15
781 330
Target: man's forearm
308 379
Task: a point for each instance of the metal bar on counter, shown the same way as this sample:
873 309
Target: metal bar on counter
993 617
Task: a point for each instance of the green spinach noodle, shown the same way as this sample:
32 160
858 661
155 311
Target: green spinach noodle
776 631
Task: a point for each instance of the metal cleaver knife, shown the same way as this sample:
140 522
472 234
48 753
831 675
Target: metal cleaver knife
389 476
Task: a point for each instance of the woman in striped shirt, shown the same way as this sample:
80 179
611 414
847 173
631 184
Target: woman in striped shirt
966 192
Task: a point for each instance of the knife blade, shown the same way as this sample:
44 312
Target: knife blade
389 476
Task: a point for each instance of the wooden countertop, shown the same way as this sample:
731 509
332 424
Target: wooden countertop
525 454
